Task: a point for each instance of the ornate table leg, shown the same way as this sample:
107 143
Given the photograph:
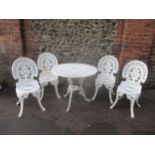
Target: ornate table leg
82 92
70 83
69 102
72 88
67 92
70 91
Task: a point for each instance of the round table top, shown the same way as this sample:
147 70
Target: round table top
74 70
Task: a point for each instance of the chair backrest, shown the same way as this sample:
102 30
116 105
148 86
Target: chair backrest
135 71
24 69
46 61
108 65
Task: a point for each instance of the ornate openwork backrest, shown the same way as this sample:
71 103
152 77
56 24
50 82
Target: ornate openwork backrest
46 61
135 71
108 64
24 69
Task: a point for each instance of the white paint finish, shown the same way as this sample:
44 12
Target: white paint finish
74 70
135 73
46 61
107 68
24 70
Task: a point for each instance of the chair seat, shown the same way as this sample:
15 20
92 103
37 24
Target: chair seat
27 87
48 77
106 79
129 88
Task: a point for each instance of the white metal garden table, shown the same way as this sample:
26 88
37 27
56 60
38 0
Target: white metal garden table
73 71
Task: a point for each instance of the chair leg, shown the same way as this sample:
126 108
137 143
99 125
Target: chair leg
67 93
56 90
42 92
132 103
69 102
21 107
40 105
17 103
113 92
110 96
37 96
81 90
137 102
115 102
97 87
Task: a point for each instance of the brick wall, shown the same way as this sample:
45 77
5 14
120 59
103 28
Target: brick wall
10 47
151 65
126 39
134 39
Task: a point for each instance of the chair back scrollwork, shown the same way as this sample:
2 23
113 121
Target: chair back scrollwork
135 71
24 69
46 62
108 65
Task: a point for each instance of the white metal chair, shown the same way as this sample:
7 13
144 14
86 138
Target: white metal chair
135 73
107 68
24 70
45 63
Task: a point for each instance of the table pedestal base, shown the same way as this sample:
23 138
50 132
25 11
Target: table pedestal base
73 88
